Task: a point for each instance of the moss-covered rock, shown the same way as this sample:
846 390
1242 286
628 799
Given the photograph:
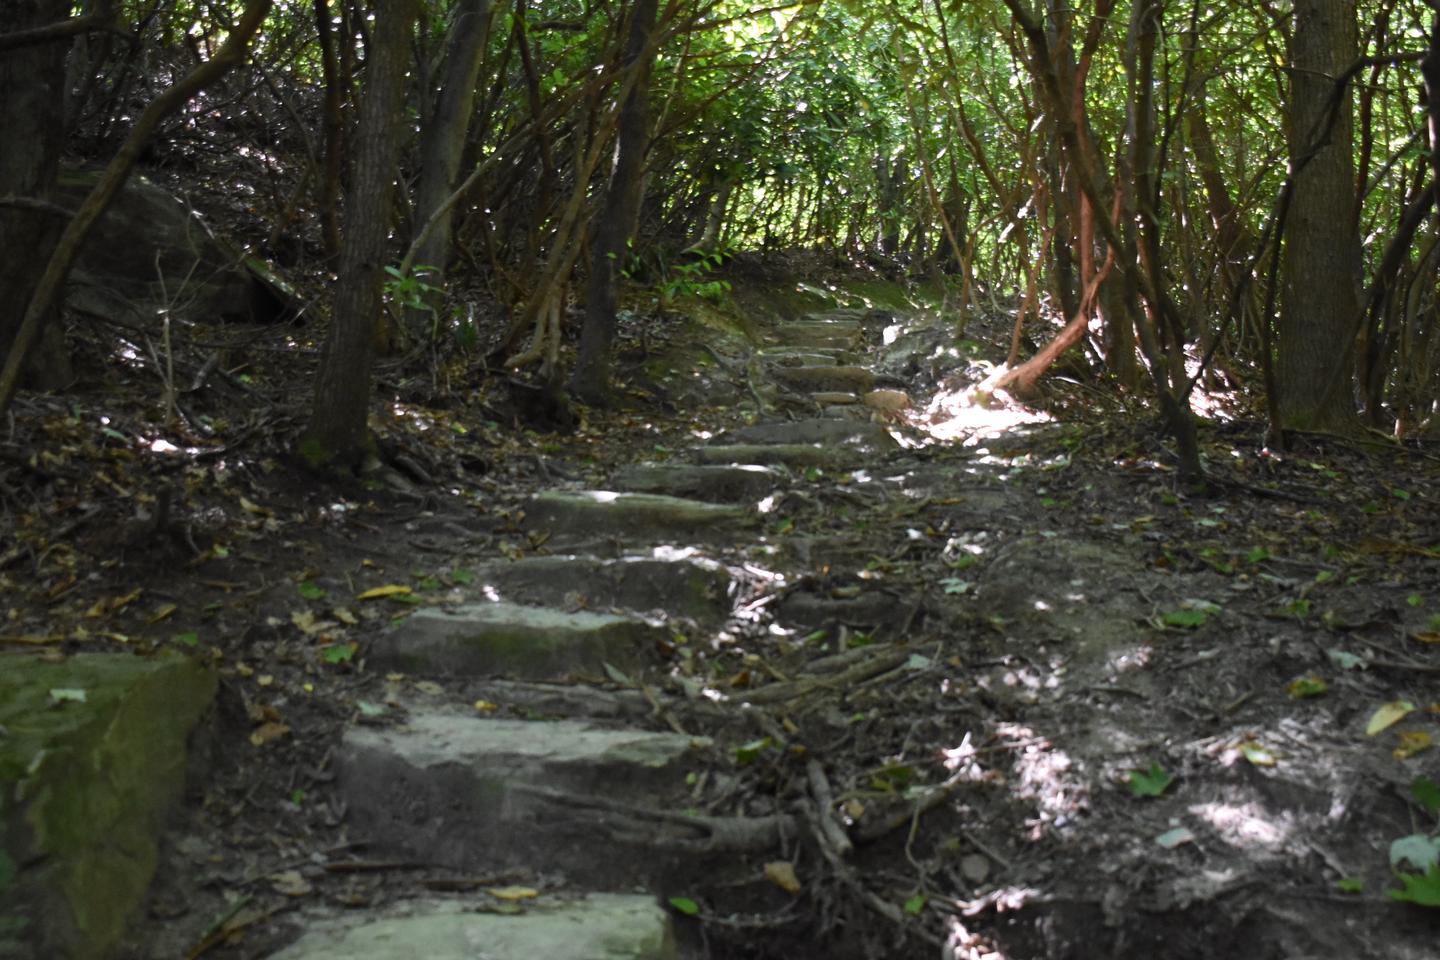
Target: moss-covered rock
92 760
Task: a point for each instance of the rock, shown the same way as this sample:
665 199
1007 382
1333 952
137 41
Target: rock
887 401
150 253
834 398
787 454
810 379
469 792
599 927
861 434
629 516
713 484
531 643
685 586
806 357
817 333
92 760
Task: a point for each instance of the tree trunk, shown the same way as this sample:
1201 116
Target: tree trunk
338 438
590 380
32 108
1321 266
442 143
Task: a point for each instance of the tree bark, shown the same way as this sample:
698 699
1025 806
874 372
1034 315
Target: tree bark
338 439
442 143
32 108
1321 260
590 381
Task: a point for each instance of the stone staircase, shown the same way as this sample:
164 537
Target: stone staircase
585 781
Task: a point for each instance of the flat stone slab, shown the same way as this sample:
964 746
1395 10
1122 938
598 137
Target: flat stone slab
713 484
835 398
779 454
506 639
811 379
92 761
862 433
807 356
599 927
684 586
822 333
472 792
637 517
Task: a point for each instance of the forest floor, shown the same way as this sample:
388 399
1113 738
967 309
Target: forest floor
1107 718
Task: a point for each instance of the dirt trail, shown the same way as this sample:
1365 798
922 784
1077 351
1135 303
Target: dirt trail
861 673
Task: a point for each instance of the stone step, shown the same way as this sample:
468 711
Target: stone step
683 585
779 454
632 517
506 639
92 762
808 356
811 379
861 434
454 788
713 483
835 398
818 333
599 927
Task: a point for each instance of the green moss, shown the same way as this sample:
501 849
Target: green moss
85 787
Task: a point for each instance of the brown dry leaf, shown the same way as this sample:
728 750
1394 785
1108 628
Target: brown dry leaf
389 590
1411 743
513 893
267 732
345 616
1426 636
164 612
290 884
782 874
254 508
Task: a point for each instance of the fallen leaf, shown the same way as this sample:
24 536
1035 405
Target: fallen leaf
1171 839
513 893
1387 715
345 616
1257 754
164 612
1411 743
268 732
782 874
290 884
251 507
389 590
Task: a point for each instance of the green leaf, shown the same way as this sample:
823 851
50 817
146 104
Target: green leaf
339 653
685 905
68 695
297 797
311 591
1423 889
189 639
748 753
1350 885
1257 554
955 586
1185 618
369 709
915 904
462 576
1149 783
1418 850
1400 494
427 583
1309 686
1415 600
1426 793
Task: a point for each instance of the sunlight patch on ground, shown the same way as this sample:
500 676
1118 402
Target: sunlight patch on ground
967 415
1042 774
1245 825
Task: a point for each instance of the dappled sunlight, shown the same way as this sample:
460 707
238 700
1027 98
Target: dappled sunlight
968 415
1246 825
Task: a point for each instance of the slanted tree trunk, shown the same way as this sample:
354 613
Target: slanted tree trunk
590 380
442 143
1321 264
338 438
32 110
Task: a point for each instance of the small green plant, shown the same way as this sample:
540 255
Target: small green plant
410 291
1420 852
689 280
